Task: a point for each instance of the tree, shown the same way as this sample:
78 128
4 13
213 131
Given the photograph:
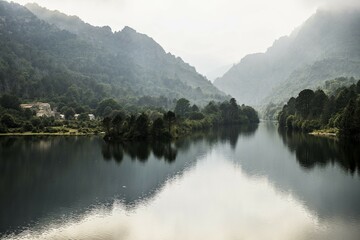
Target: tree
107 124
234 110
251 114
196 116
328 110
157 127
10 102
195 108
230 112
8 121
182 107
108 110
233 102
303 102
69 114
342 99
105 105
142 126
83 117
317 103
28 127
347 125
28 113
211 108
79 110
117 122
35 121
169 117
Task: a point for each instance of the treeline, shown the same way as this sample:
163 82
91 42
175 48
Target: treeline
330 87
315 110
171 124
14 119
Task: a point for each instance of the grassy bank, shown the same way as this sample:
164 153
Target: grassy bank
55 131
329 132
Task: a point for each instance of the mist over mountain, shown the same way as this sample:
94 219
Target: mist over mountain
47 54
325 47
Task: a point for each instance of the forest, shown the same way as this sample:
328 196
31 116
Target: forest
121 121
182 121
337 112
40 61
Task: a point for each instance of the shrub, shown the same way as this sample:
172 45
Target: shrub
8 121
196 116
27 127
289 121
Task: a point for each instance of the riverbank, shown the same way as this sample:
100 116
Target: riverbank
46 134
66 132
330 132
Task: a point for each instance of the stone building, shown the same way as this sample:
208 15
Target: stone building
41 109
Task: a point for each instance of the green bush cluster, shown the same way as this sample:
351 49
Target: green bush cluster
185 118
315 110
13 119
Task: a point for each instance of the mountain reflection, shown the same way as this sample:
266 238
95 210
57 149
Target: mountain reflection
47 178
314 151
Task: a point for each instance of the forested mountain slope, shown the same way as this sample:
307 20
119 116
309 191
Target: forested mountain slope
40 60
325 47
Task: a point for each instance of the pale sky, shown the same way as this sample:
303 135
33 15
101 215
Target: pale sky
208 34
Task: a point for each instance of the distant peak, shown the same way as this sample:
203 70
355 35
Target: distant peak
32 5
128 29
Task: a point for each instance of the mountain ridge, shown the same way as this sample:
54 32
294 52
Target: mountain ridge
329 36
126 42
41 61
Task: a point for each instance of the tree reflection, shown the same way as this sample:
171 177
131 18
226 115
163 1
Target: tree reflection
140 151
314 151
167 150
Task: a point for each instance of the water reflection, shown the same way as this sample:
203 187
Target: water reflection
317 171
167 150
232 183
46 179
140 151
313 151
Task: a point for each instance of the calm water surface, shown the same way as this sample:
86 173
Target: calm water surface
251 183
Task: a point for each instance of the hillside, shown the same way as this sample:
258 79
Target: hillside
325 47
74 61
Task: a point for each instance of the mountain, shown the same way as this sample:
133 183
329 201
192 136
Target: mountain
48 55
325 47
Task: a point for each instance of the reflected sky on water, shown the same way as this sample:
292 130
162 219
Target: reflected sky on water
233 183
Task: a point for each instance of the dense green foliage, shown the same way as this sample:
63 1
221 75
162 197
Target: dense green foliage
44 61
124 78
15 120
316 110
330 87
166 125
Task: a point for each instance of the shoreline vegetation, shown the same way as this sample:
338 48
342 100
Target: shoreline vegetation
178 123
334 115
122 123
73 132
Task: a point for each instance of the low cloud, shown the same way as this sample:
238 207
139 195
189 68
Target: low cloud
333 4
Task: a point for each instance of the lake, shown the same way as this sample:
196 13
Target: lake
251 182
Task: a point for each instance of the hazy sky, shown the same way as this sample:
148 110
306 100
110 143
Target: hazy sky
208 34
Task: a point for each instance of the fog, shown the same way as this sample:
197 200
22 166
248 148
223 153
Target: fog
208 34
